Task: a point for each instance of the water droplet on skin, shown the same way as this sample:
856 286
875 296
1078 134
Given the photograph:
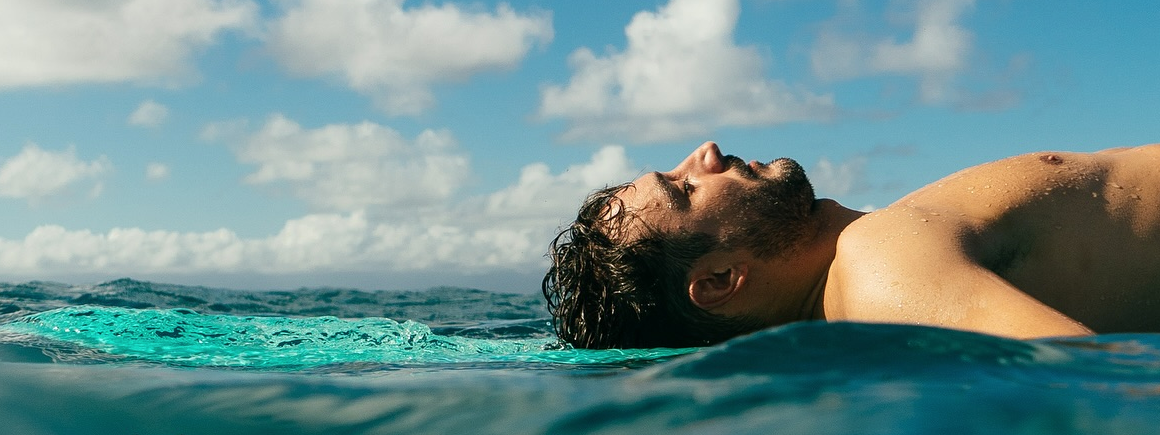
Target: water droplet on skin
924 220
934 214
1116 186
915 233
1095 195
1133 196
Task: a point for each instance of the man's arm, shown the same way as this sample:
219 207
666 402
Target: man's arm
892 272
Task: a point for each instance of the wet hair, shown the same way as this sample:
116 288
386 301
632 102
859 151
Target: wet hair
608 292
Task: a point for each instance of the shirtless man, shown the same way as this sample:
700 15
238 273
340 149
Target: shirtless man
1042 244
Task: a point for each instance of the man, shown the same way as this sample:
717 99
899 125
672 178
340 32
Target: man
1042 244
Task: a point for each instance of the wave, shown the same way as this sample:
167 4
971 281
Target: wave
93 359
809 378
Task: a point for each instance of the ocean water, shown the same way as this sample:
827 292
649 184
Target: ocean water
131 357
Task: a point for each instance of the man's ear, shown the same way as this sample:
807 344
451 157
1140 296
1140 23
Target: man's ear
711 287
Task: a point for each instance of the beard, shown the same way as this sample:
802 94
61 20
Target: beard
774 216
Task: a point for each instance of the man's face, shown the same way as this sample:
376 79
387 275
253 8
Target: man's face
761 207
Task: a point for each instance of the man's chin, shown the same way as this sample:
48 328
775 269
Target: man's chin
785 168
783 163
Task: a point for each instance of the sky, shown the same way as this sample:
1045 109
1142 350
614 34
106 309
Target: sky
391 144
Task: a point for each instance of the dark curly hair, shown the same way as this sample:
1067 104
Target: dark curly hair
605 292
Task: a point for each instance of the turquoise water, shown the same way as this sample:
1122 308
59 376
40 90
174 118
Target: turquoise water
184 338
144 358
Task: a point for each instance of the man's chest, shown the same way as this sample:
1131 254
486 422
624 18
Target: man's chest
1105 276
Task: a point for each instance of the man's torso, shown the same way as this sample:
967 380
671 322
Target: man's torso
1078 232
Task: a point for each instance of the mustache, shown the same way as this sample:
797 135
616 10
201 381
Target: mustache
734 162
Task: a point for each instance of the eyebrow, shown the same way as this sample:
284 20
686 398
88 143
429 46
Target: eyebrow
675 197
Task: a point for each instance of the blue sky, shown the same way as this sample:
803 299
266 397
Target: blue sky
388 144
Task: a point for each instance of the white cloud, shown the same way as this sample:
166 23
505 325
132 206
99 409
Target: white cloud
156 171
149 114
839 179
681 75
395 54
36 173
352 166
508 229
53 42
539 194
935 54
225 131
849 176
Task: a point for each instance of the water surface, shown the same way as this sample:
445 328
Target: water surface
135 357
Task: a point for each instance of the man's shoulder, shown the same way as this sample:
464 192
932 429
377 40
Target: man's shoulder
901 264
902 241
900 223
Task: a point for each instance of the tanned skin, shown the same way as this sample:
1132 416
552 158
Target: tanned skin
1036 245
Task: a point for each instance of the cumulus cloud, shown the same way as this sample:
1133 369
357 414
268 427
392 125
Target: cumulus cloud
348 167
386 202
395 54
156 171
226 131
539 194
35 173
149 114
839 178
151 41
681 75
849 176
508 229
936 52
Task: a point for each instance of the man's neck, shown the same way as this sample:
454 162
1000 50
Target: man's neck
833 219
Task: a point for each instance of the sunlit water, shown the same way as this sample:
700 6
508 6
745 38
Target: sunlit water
128 357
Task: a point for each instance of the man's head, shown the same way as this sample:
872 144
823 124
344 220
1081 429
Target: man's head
639 266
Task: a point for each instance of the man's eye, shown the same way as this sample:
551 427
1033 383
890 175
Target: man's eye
686 186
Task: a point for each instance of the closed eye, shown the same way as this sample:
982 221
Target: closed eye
674 190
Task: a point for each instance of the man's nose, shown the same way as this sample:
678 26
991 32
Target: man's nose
705 159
